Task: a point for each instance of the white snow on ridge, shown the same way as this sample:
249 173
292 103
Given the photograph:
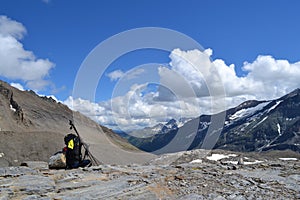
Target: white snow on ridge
216 157
180 124
285 159
278 129
246 112
273 107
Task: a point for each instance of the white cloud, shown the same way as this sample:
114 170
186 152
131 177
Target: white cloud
186 89
129 75
271 78
135 73
115 75
12 28
16 63
266 77
18 86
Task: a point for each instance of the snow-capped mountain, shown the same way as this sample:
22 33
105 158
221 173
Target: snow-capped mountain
251 126
159 128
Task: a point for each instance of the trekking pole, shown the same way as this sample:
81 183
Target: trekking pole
94 160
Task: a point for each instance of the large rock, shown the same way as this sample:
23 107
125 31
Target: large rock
57 161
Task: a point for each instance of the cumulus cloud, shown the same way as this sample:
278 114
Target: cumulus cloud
190 86
16 63
12 28
115 75
133 110
277 77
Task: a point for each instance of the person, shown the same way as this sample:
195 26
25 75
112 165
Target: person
73 154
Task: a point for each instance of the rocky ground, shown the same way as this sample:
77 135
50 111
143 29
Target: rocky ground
191 175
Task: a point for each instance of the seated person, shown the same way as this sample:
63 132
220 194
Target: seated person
73 152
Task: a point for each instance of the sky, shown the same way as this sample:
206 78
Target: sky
245 50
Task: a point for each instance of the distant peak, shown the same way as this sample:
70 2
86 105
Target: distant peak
172 121
248 104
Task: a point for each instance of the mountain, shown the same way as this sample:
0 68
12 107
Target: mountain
251 126
157 129
33 128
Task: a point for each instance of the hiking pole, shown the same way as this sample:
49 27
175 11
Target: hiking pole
94 160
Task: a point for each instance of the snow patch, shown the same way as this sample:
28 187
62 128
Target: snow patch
285 159
278 129
254 162
12 108
1 155
273 107
196 161
246 112
289 119
260 122
216 157
245 163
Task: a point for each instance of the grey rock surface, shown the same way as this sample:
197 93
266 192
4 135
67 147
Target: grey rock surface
168 177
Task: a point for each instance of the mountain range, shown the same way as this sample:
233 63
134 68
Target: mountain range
251 126
33 127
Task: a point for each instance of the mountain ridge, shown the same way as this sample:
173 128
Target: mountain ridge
251 126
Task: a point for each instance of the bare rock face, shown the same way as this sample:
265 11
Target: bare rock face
170 176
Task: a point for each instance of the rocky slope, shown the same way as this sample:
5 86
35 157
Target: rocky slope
251 126
191 175
33 128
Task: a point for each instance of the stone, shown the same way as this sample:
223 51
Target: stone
57 161
240 161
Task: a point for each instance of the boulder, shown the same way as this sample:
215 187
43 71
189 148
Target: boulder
57 161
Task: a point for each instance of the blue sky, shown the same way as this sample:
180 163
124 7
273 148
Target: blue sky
65 32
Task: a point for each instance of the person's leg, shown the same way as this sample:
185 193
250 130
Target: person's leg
76 164
85 163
